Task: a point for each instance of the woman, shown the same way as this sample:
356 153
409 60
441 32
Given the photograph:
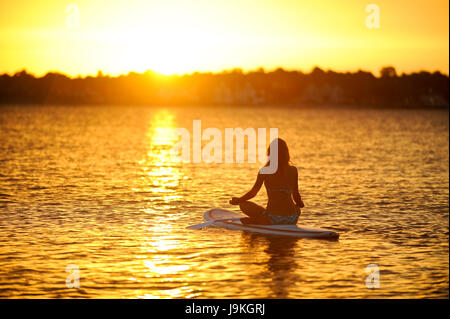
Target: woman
283 206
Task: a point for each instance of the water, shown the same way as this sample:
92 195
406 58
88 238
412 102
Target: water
95 187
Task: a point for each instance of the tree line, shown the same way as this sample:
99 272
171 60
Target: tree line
233 87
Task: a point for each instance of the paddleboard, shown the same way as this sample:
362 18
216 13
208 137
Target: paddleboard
231 220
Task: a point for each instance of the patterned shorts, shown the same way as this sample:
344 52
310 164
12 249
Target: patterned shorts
282 220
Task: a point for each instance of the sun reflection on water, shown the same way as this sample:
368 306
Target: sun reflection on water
161 176
161 179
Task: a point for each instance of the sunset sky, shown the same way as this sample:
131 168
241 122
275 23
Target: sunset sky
179 36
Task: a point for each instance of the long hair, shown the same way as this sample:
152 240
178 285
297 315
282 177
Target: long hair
283 153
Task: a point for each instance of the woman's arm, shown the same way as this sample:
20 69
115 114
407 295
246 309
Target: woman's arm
296 194
250 194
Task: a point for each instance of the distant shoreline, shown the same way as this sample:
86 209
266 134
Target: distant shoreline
234 88
280 106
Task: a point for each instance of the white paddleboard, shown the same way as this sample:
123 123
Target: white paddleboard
227 219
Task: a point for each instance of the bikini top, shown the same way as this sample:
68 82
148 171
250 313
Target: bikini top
284 190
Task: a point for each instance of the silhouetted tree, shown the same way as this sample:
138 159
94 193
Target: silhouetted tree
388 72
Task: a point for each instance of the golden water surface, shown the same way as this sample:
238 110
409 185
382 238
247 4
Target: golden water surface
96 187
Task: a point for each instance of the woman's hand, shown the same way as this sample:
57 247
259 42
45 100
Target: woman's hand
235 201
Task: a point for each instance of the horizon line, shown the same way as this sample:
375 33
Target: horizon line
101 73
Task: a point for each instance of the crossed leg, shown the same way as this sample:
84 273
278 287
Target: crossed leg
254 213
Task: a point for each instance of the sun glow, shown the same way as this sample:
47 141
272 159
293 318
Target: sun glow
178 36
168 51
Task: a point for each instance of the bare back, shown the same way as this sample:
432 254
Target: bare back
279 187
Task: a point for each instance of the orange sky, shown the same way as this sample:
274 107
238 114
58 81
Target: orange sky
174 36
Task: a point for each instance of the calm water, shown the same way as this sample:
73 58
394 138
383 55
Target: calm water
95 187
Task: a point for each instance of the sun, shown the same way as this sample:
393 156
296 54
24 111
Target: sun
167 50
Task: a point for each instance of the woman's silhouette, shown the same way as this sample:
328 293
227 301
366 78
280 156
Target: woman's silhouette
284 200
